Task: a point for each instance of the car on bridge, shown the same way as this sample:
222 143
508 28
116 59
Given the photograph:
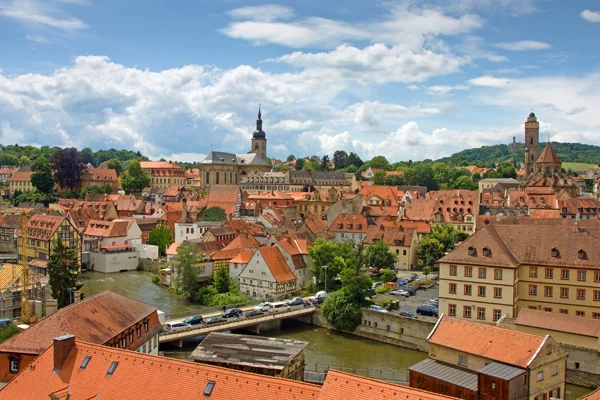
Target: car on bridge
213 320
232 313
193 320
264 307
175 326
280 307
254 313
296 301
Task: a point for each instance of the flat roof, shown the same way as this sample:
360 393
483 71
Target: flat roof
447 373
502 371
247 350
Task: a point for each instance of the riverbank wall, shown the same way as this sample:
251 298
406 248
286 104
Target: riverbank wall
384 327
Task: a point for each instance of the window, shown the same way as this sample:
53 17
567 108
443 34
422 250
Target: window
486 252
124 341
131 337
471 251
497 274
481 291
555 252
452 288
452 310
138 329
581 276
146 326
555 370
563 311
581 254
497 315
480 313
549 273
564 274
596 315
576 365
466 311
209 388
467 290
540 376
482 273
14 366
111 369
580 294
596 295
462 360
498 293
547 309
533 290
533 272
453 270
580 313
469 271
85 362
564 293
548 291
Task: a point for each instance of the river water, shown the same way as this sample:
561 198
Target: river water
325 349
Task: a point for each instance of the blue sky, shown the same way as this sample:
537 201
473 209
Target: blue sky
404 79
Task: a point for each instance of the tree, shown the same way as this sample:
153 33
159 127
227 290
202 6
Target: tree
341 311
63 273
326 252
221 279
379 178
506 169
394 180
421 174
24 160
354 159
445 234
299 164
426 271
68 167
215 213
340 159
115 164
325 163
135 179
161 236
387 275
42 178
430 250
291 157
379 162
8 331
88 156
379 256
186 269
464 182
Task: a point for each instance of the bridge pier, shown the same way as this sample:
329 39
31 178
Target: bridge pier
179 343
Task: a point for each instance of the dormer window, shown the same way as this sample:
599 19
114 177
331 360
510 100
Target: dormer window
564 210
542 200
555 252
581 254
471 251
340 226
486 252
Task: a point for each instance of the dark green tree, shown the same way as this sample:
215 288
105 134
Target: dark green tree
68 167
186 269
63 273
354 159
379 178
464 182
215 213
387 275
325 163
394 180
135 179
88 156
299 164
291 157
221 279
115 164
506 169
42 178
340 159
8 331
326 252
379 255
430 250
161 236
379 162
341 310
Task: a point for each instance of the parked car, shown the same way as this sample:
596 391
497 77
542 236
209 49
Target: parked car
254 313
176 326
280 307
232 313
377 284
410 278
390 284
264 307
403 282
213 320
296 301
319 294
428 310
408 314
410 290
319 300
434 301
193 320
402 293
378 309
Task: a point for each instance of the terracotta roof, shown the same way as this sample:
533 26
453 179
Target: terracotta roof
420 210
127 203
96 319
532 199
21 176
270 195
277 264
192 173
488 341
357 222
387 194
101 174
316 225
116 228
243 257
559 322
206 248
42 226
172 250
294 246
343 386
392 236
139 375
595 395
579 205
224 196
38 263
422 227
159 165
172 191
548 155
242 226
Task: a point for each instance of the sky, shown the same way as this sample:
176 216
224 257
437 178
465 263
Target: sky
404 79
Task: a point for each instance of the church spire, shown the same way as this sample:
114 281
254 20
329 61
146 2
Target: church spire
259 133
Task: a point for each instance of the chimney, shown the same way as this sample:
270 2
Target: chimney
184 209
62 348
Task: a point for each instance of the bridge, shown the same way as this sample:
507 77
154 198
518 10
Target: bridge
233 323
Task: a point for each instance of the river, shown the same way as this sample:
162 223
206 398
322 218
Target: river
325 348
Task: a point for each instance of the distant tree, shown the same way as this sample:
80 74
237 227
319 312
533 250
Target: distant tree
42 178
215 214
63 273
506 169
291 157
161 236
299 164
464 182
430 250
88 156
491 173
394 180
135 179
379 162
421 174
221 279
325 163
24 160
68 167
115 164
186 269
378 255
379 178
354 159
8 331
340 159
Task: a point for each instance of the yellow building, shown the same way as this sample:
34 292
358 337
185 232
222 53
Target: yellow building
164 174
504 268
20 181
402 242
41 234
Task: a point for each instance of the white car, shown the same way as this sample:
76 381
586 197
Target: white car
378 309
175 326
280 307
402 293
264 307
319 295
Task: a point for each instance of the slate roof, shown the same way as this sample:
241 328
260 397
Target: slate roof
502 371
222 158
447 373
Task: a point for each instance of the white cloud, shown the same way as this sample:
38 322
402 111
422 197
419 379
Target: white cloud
38 14
267 12
292 125
445 89
523 45
590 16
38 39
10 135
413 87
474 47
490 81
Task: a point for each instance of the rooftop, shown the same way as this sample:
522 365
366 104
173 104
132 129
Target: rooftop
246 350
559 322
277 265
447 373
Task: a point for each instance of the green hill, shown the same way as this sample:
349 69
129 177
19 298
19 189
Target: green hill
486 156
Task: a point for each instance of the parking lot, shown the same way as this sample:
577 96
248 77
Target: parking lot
411 303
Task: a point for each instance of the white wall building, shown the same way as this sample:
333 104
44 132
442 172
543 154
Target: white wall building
111 245
267 276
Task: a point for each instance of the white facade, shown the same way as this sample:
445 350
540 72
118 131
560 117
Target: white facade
303 275
355 237
150 346
193 230
257 281
114 262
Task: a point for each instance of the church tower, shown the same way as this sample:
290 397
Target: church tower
259 138
532 143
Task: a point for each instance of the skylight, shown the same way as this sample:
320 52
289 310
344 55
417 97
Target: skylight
209 388
85 362
113 366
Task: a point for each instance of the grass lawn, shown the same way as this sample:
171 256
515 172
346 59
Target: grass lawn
577 166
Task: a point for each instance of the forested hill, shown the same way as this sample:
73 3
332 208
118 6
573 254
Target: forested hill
486 156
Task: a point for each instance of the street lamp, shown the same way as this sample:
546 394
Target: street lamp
325 268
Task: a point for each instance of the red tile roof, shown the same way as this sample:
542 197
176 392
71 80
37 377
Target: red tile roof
295 246
42 226
143 376
548 155
101 174
316 225
559 322
172 250
159 165
488 341
277 264
392 236
21 176
116 228
243 257
357 222
224 196
96 319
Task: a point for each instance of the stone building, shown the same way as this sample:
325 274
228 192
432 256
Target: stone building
532 143
164 174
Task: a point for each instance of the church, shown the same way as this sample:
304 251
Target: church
219 168
543 170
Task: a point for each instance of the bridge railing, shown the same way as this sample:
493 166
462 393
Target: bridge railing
208 310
